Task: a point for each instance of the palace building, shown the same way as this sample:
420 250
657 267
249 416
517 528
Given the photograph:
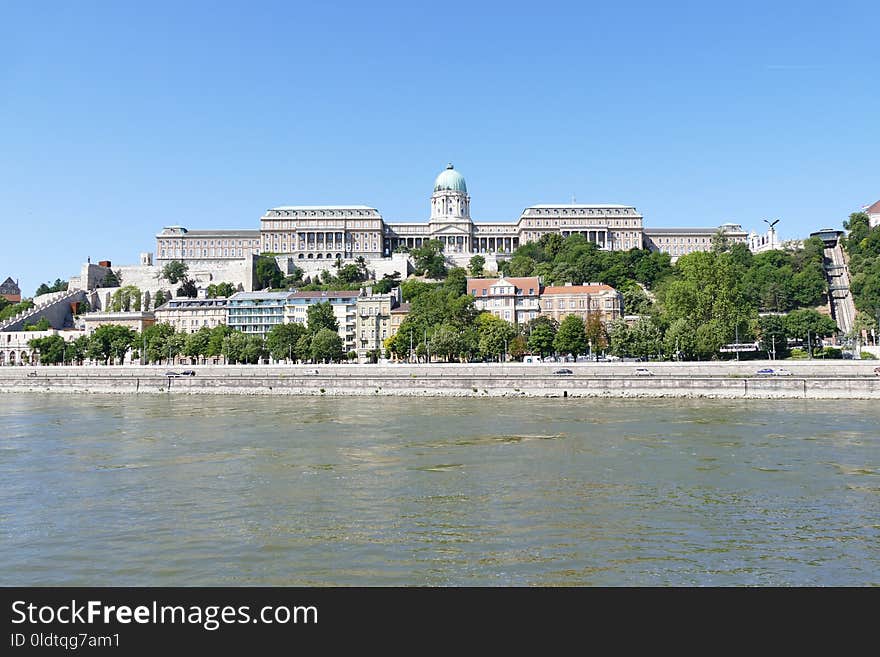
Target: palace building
305 233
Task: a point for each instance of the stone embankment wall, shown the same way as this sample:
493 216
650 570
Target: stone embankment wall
721 380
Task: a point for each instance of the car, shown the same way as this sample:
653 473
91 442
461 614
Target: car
781 372
188 373
170 373
765 371
877 371
564 370
643 371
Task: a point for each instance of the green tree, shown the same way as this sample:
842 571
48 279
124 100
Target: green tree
112 279
773 336
387 283
647 339
517 347
220 290
110 342
78 350
680 340
157 337
235 347
446 342
428 259
254 349
597 336
41 325
541 333
159 299
456 281
196 344
476 265
48 288
571 337
50 349
303 349
188 289
126 299
620 342
282 338
807 324
327 346
267 273
175 271
320 316
215 340
494 334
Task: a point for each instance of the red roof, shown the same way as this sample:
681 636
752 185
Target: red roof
577 289
526 283
873 209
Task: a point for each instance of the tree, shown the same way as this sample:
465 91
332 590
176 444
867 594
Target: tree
188 289
647 339
773 336
620 342
428 259
597 337
517 347
541 333
220 290
41 325
267 273
254 349
215 340
456 281
320 316
476 265
159 299
282 338
807 324
196 344
680 340
48 288
235 347
446 342
110 342
175 271
126 299
157 339
635 301
720 242
303 349
50 348
571 337
494 335
326 346
388 283
112 279
77 350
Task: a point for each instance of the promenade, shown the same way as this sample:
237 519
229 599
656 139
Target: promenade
808 380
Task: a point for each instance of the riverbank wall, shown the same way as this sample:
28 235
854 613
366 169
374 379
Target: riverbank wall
808 380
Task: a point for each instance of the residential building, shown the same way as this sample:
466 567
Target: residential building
515 300
374 321
399 314
10 291
873 212
585 301
189 315
15 346
255 313
343 302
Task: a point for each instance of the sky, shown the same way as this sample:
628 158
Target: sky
119 118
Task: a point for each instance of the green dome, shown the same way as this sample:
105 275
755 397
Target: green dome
450 179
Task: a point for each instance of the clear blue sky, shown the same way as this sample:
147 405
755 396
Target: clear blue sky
117 118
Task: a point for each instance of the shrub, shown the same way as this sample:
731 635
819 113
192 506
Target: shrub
867 355
798 354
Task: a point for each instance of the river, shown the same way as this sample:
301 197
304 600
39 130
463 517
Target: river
229 491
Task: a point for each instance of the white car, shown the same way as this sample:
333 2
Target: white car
781 372
643 371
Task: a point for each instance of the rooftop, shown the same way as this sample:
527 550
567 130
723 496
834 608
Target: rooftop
578 289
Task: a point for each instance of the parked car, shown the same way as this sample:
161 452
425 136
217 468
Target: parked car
563 371
877 371
781 372
170 373
765 371
188 373
643 371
